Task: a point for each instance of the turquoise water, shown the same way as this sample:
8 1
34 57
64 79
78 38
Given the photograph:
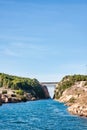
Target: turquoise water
39 115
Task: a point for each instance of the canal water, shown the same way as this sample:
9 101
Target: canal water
39 115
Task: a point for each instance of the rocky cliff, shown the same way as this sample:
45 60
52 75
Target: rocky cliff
17 89
44 87
72 90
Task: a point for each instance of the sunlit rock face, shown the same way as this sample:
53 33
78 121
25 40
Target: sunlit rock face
72 90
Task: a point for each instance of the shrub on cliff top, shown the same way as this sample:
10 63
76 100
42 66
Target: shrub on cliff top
4 91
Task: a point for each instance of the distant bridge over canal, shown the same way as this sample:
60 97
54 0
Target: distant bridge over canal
51 87
49 83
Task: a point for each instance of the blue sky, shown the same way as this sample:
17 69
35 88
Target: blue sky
43 39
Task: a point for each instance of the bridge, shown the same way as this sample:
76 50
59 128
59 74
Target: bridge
49 83
51 87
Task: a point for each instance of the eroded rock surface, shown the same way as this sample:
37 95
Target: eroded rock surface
74 95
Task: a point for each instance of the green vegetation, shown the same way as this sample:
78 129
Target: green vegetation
23 98
21 85
75 78
4 91
67 82
19 92
85 83
72 100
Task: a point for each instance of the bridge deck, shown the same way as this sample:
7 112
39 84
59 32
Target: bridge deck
49 82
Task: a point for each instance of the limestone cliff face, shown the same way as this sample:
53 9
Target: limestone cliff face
72 90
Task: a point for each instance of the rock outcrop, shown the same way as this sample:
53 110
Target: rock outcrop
72 91
16 89
78 109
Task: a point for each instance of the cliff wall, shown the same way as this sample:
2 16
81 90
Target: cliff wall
72 90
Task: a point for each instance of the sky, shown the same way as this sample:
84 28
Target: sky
43 39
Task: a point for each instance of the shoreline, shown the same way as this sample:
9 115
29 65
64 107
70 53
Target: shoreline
23 101
75 108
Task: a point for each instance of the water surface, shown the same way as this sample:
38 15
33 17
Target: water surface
39 115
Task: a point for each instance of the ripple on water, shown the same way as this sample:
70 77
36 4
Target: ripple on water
39 115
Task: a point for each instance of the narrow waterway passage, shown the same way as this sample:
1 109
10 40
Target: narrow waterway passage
39 115
51 88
